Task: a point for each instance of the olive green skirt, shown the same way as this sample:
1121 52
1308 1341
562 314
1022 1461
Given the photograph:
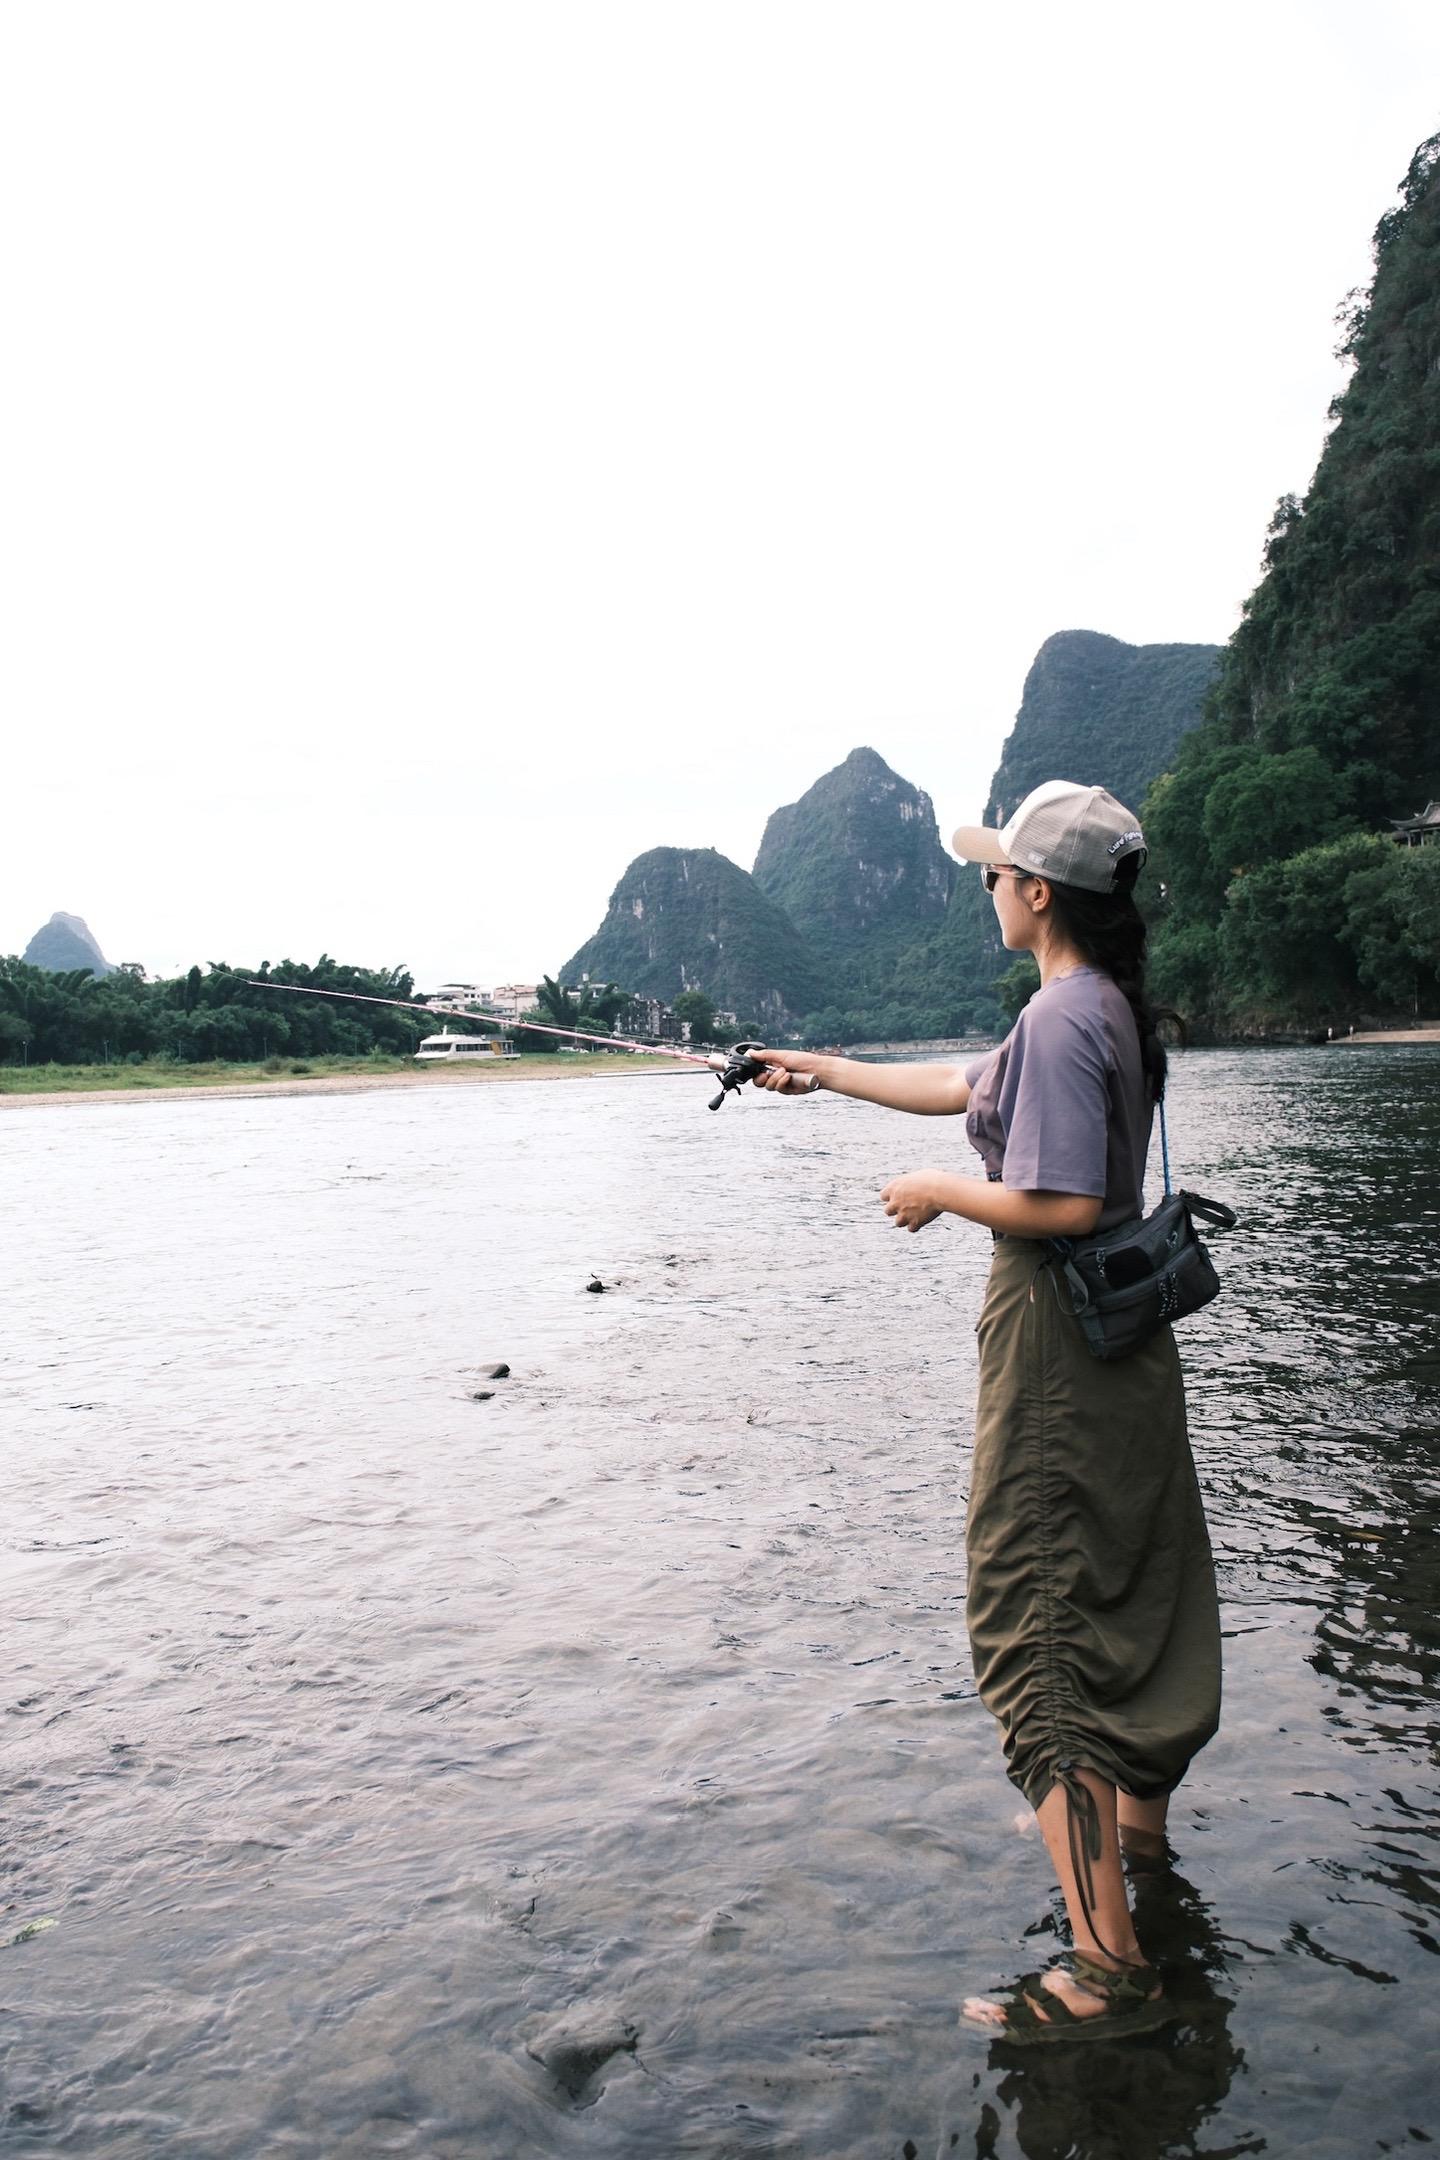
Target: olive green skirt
1091 1603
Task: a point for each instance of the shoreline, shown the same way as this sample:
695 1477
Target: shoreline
1420 1034
596 1068
357 1083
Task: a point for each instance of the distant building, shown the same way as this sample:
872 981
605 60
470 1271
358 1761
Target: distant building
510 1000
647 1019
459 997
1421 831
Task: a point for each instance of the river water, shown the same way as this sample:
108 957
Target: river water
597 1768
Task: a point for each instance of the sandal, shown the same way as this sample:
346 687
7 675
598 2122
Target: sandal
1131 1995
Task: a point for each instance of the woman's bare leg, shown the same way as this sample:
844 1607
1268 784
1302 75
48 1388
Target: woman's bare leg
1107 1930
1101 1922
1142 1825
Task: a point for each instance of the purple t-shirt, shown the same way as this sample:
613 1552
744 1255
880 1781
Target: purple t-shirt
1062 1105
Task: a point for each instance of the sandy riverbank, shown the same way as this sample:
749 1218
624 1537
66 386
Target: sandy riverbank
1424 1034
360 1083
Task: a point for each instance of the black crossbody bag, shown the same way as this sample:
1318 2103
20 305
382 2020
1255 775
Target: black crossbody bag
1124 1284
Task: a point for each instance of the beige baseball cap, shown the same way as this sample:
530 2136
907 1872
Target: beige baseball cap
1070 834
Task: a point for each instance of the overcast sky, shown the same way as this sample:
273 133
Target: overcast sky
449 449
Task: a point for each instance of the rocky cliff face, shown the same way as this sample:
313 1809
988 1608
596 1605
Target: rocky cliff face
1094 710
64 944
1101 712
690 919
857 865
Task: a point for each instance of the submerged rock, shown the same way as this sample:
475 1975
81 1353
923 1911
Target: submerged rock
32 1928
576 2046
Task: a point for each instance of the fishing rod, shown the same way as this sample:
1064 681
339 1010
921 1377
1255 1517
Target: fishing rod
733 1068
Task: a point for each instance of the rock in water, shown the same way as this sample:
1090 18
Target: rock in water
595 1283
576 2046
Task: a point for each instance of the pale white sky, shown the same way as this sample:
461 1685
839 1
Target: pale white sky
448 449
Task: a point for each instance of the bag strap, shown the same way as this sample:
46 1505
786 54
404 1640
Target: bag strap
1213 1212
1165 1149
1079 1288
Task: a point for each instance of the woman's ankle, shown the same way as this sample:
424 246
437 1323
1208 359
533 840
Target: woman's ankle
1115 1957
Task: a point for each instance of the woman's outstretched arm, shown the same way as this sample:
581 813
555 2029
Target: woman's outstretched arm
926 1090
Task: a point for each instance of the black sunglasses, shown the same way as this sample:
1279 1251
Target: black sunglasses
991 874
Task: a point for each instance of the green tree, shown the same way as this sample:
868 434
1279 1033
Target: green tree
593 1012
1183 960
820 1028
556 1005
1017 986
1271 804
77 1018
601 1005
1392 923
532 1042
699 1010
15 1035
1283 944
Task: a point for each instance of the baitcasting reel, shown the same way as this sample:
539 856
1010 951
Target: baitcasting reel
741 1066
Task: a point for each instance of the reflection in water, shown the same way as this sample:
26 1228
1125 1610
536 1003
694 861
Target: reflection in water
1379 1638
1144 2096
598 1765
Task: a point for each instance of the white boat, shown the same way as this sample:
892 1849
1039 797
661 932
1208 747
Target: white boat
463 1049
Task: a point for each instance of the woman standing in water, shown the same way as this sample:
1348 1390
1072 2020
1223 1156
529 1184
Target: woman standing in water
1091 1604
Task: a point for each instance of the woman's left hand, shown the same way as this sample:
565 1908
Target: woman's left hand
910 1200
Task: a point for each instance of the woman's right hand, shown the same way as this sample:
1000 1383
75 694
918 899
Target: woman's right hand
788 1072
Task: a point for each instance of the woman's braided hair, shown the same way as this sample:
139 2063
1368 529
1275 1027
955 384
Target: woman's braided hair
1110 931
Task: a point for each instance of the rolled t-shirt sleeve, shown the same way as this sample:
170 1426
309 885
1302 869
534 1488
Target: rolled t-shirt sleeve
1054 1103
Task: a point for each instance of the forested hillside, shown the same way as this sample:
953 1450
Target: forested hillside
858 866
690 919
1097 710
1283 902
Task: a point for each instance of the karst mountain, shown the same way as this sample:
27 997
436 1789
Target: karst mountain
855 920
